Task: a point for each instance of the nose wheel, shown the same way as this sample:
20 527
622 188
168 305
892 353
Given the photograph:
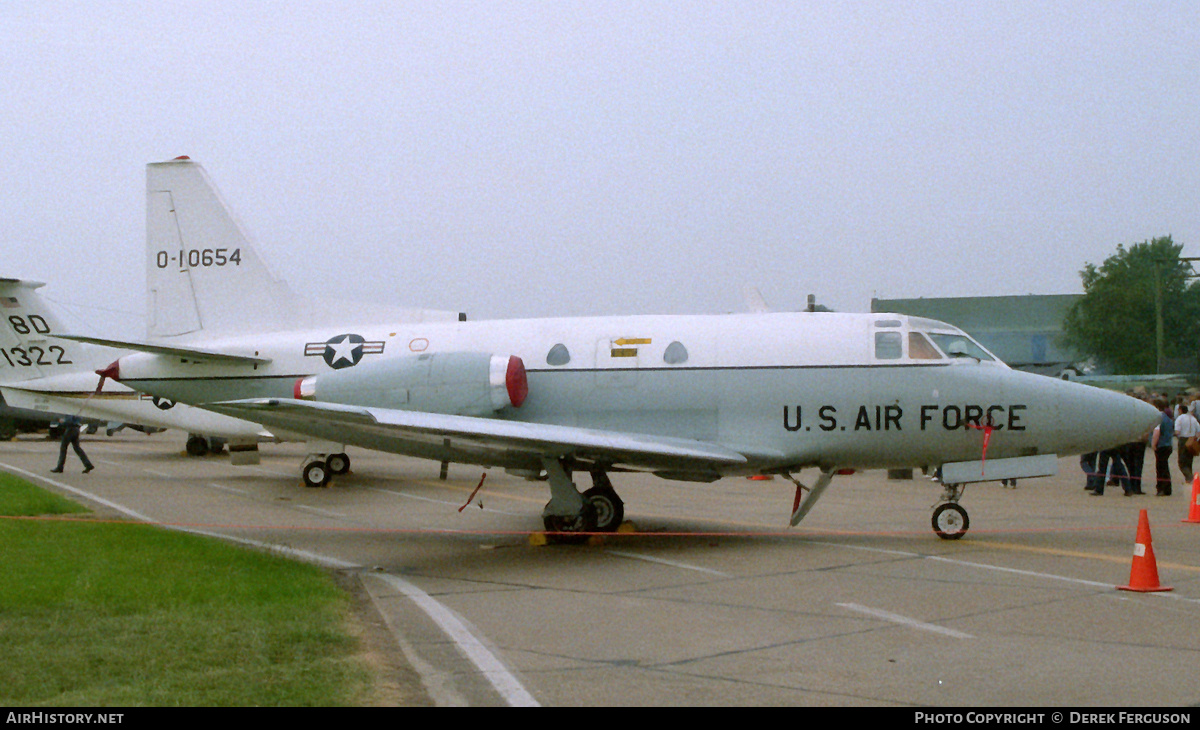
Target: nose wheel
950 521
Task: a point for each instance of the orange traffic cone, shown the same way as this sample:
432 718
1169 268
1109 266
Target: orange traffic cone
1194 510
1143 576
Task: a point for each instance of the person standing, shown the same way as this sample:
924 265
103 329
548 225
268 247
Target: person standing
1160 443
1109 461
71 437
1186 426
1087 462
1134 455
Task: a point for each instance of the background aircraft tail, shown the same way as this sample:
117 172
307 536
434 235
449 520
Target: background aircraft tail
27 349
201 271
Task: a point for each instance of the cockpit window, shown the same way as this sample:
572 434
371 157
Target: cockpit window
888 346
955 345
919 348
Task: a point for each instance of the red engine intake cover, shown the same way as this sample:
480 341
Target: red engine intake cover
515 380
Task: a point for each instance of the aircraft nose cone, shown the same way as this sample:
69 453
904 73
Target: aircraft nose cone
1102 419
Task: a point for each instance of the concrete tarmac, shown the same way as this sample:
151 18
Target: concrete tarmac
712 599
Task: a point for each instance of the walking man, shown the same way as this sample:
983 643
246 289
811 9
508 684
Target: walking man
71 436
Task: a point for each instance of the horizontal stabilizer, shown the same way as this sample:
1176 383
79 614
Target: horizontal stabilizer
158 348
7 282
501 436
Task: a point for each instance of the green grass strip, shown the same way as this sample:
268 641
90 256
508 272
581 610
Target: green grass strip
130 614
19 497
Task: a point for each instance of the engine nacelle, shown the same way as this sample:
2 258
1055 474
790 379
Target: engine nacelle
457 383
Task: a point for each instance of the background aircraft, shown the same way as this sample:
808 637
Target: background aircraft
44 375
685 397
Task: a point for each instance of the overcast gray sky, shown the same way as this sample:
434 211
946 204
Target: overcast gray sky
514 159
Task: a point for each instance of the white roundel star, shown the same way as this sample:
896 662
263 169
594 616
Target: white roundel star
343 349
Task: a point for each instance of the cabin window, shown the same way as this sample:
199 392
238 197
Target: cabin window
558 355
920 348
888 346
675 354
887 323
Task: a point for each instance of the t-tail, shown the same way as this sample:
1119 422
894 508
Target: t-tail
202 273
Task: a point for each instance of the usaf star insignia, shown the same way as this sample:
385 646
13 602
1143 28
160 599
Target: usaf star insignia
343 351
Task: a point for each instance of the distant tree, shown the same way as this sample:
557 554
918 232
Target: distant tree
1114 321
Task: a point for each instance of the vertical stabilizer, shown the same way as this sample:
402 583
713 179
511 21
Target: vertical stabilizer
28 348
201 271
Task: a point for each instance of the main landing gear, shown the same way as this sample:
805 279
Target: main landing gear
950 520
599 509
318 468
203 446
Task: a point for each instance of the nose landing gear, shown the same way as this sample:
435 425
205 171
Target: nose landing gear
950 521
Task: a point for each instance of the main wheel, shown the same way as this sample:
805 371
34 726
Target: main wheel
567 527
316 474
610 510
950 521
197 446
338 463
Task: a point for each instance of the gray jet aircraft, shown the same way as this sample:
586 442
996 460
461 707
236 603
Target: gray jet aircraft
693 398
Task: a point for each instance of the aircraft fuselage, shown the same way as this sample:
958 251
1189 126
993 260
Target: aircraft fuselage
784 389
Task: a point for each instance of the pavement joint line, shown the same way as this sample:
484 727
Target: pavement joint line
431 500
671 563
905 621
319 511
224 488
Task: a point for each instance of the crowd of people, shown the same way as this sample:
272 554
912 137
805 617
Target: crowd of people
1178 433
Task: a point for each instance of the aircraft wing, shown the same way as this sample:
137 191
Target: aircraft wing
157 348
410 431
